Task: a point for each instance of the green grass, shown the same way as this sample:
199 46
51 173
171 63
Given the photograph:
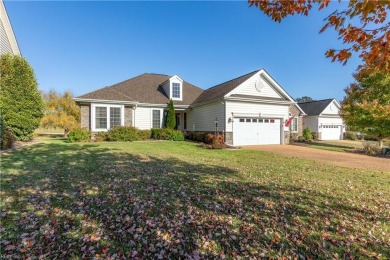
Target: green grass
175 200
337 146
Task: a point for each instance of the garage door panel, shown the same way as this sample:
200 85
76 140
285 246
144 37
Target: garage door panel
255 131
331 132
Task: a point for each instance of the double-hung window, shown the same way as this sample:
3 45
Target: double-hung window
176 90
294 125
105 117
156 118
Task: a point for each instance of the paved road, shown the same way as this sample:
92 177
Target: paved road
343 159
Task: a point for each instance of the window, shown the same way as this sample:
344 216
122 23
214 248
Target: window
248 120
242 120
294 125
185 120
106 116
115 116
176 90
261 121
266 120
156 120
254 120
101 118
272 121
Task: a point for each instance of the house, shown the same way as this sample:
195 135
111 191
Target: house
8 43
323 118
249 110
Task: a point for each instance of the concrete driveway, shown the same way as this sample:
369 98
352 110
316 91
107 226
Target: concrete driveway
339 158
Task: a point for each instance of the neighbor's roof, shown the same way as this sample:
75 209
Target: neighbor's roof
222 89
145 88
314 108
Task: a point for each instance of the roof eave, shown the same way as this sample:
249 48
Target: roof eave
90 100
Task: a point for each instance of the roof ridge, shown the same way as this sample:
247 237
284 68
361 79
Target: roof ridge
152 73
233 79
315 101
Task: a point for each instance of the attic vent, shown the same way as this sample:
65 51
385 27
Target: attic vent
260 84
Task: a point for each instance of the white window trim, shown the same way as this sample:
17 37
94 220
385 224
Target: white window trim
93 116
295 118
161 116
181 90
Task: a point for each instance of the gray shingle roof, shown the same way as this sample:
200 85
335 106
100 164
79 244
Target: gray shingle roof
315 108
144 88
222 89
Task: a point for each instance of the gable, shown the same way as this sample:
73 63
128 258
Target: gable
262 86
332 109
8 43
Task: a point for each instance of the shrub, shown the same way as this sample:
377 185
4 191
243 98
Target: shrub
293 137
314 135
167 134
371 138
101 137
307 134
371 148
199 136
209 138
123 133
144 134
350 136
78 135
7 140
21 104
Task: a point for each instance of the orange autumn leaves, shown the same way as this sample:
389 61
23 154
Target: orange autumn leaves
363 26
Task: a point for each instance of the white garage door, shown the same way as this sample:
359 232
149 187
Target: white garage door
254 131
331 132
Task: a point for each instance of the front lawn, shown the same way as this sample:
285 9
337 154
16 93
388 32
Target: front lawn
173 199
337 146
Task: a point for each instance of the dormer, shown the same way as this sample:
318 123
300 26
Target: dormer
173 87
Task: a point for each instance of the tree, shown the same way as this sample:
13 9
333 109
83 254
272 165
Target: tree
366 106
304 99
170 122
20 100
60 111
362 25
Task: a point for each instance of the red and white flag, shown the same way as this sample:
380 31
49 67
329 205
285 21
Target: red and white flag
288 123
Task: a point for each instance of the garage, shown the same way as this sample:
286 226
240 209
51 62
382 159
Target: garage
256 131
331 132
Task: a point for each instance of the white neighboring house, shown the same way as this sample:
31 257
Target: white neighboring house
323 118
8 43
249 110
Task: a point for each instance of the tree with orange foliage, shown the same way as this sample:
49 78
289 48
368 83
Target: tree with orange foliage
366 106
61 112
362 25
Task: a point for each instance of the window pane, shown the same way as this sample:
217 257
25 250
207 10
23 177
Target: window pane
156 119
242 120
266 120
254 120
176 90
115 116
248 120
260 120
101 117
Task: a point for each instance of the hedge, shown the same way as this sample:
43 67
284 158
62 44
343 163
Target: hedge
167 134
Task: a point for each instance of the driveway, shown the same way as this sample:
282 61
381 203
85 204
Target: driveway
339 158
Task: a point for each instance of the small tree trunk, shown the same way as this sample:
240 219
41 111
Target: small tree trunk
66 132
380 143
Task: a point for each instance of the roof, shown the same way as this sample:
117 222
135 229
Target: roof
8 43
145 88
315 108
222 89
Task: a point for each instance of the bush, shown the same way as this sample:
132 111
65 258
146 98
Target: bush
101 137
78 135
314 135
7 140
371 138
307 134
371 148
350 136
123 133
144 134
21 104
167 134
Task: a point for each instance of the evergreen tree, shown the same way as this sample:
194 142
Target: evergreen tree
170 121
21 105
